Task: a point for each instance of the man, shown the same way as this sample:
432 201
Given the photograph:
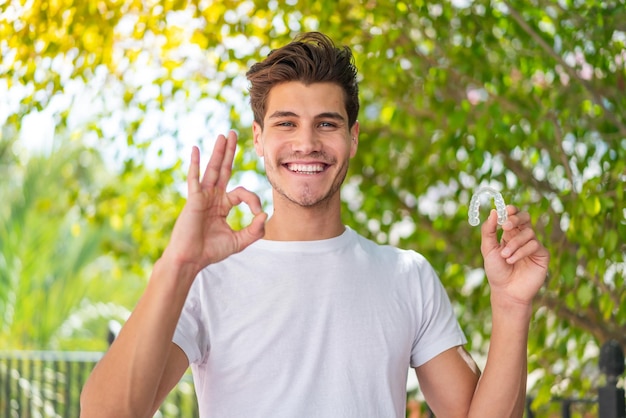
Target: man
297 315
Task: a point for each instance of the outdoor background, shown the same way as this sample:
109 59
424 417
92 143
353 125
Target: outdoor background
101 101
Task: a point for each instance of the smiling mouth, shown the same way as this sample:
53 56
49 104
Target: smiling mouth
306 168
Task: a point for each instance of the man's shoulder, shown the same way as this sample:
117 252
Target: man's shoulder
383 247
388 251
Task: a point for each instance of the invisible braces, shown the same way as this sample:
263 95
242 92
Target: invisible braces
475 205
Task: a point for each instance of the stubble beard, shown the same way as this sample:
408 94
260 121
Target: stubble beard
306 197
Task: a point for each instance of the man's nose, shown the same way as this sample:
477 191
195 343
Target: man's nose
307 141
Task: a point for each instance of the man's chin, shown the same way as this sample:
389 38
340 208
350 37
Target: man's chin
308 200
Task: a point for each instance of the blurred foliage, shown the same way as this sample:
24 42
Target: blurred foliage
71 255
528 97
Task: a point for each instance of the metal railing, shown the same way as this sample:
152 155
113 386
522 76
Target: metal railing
48 384
611 399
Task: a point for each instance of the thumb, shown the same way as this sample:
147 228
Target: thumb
253 232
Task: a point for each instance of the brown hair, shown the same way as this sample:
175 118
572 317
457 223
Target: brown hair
310 58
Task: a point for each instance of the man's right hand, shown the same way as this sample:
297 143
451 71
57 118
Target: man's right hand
201 235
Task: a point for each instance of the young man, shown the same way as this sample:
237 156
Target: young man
297 315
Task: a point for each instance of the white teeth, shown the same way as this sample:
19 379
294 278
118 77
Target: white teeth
306 168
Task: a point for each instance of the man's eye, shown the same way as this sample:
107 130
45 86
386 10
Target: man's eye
326 125
284 124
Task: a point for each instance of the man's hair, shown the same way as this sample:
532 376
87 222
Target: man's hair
310 58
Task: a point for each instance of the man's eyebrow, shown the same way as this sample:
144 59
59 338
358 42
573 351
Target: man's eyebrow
282 114
324 115
331 115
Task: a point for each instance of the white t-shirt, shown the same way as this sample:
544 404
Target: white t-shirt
313 329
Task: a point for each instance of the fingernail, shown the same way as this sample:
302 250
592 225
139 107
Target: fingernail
505 253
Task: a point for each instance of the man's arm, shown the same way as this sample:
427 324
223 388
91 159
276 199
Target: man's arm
454 387
516 267
502 388
142 365
448 382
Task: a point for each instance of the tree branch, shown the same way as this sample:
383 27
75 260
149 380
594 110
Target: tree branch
585 320
558 136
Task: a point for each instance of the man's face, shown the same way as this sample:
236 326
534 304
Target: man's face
306 142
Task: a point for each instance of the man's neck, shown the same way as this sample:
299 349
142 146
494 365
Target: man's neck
303 224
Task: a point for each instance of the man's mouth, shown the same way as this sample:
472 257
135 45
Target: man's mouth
305 168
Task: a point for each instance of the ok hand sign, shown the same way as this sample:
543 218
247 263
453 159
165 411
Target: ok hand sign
201 235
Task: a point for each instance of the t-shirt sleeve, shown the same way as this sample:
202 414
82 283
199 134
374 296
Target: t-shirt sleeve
190 334
438 328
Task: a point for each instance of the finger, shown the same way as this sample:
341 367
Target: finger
529 249
227 161
511 209
212 172
516 219
193 175
256 229
516 231
242 195
513 241
489 233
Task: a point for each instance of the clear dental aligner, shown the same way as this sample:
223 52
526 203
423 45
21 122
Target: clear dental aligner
475 205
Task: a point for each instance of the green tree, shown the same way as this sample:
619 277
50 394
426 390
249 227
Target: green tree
71 260
50 255
525 96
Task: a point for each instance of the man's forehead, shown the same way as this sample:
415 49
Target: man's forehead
313 100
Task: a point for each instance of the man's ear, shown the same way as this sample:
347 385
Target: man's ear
354 132
257 131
